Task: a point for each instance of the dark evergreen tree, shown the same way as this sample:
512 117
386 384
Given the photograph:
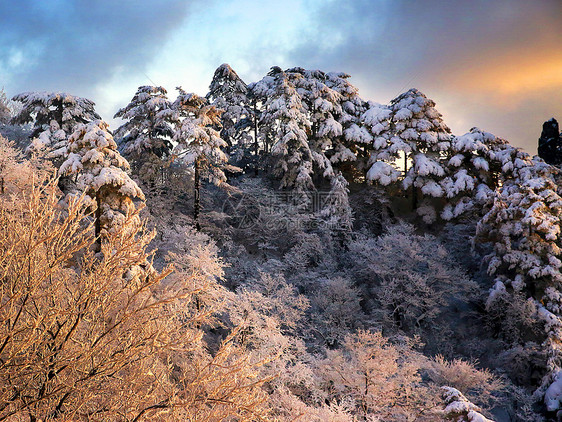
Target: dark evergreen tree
550 143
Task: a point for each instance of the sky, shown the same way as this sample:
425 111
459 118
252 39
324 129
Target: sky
494 64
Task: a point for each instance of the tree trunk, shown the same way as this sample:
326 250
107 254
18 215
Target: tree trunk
97 223
256 144
59 113
196 196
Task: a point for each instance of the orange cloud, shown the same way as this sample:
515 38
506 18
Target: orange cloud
511 77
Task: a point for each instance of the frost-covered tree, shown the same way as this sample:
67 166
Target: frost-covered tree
336 309
262 125
417 131
228 92
198 143
9 157
100 172
382 379
285 113
18 173
523 225
80 342
411 279
145 137
474 170
14 132
322 104
5 111
55 116
336 210
350 151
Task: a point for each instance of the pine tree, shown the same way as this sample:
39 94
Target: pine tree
263 122
5 112
198 143
228 92
145 137
322 104
383 165
350 151
550 143
416 130
285 114
101 173
336 210
523 226
474 170
55 116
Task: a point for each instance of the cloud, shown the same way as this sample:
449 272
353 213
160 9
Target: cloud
481 58
76 45
494 64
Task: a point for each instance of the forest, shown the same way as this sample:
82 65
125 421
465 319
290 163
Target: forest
282 250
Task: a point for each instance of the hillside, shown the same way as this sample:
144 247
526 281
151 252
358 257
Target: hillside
280 250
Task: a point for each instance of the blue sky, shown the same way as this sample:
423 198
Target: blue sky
496 64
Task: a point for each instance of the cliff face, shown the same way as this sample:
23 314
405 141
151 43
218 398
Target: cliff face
550 143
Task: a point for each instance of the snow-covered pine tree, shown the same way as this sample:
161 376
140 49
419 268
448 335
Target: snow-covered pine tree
101 173
459 409
417 130
145 136
336 210
474 170
229 93
523 226
350 151
322 104
198 143
5 112
383 166
55 116
262 123
285 113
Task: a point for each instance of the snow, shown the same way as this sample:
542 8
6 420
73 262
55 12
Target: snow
403 114
383 173
425 166
496 292
432 188
358 134
553 395
459 408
